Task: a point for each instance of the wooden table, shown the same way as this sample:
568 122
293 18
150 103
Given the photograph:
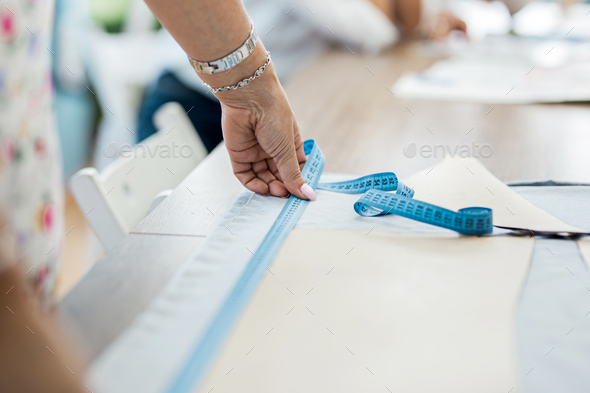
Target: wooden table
344 102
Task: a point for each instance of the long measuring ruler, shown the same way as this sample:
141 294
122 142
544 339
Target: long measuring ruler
376 201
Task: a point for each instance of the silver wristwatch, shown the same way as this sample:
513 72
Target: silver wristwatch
227 62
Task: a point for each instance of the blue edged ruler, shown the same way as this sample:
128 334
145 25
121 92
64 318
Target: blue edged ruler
376 201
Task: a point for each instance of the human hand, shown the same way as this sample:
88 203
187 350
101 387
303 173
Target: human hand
261 134
260 130
444 24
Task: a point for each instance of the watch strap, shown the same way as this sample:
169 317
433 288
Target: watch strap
229 61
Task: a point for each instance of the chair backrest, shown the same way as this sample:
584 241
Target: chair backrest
117 199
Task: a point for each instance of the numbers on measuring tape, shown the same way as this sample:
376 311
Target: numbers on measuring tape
386 181
468 221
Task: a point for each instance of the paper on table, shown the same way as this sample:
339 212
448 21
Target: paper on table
456 183
439 84
505 70
344 311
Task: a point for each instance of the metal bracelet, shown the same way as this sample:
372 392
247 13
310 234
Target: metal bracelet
229 61
243 82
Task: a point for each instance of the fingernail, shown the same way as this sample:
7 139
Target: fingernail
308 192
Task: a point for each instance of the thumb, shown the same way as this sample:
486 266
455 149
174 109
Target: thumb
288 167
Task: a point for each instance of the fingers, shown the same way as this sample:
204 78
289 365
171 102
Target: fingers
263 140
252 183
249 160
262 171
288 160
279 176
261 181
460 25
259 177
272 166
445 24
288 167
298 144
455 23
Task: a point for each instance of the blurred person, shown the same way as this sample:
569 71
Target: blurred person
35 357
294 32
31 187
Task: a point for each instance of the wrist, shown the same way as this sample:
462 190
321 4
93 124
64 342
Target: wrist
264 82
241 71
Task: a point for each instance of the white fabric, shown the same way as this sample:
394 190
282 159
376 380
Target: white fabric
294 31
125 364
179 315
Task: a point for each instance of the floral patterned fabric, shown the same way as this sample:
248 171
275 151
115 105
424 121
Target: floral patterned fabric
31 191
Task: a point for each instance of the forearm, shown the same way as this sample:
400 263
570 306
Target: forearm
205 29
208 30
34 358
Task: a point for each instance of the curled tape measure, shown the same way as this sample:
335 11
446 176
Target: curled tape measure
376 201
468 221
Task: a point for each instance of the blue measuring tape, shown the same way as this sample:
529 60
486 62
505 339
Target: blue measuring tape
468 221
376 201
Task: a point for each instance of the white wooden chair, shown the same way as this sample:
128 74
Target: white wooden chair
115 200
120 67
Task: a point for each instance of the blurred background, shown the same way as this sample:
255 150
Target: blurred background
109 54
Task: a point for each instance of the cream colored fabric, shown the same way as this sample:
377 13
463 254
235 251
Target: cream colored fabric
346 311
456 183
420 307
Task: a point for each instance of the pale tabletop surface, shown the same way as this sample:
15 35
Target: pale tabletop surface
345 103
